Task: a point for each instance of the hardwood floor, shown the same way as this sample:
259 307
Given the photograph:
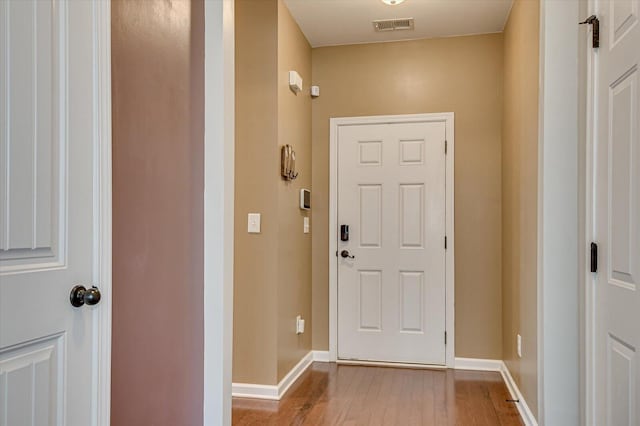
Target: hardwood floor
330 394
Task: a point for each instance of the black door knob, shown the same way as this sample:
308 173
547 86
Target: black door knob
345 254
82 296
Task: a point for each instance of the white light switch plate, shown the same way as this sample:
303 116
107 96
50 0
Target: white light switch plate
253 223
305 226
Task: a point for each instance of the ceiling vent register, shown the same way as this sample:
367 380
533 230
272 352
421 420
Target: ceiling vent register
393 24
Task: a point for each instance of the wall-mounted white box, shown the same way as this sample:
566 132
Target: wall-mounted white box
295 81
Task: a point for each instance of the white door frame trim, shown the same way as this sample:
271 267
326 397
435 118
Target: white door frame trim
218 209
101 412
335 123
589 279
559 252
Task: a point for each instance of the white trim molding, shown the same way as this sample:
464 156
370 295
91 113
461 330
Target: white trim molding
250 390
321 356
527 416
559 251
589 65
335 123
103 208
391 364
218 209
478 364
274 392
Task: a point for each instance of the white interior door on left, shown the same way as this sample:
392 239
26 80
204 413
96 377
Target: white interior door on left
48 202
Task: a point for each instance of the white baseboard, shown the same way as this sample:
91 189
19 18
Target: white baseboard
321 356
497 365
391 364
249 390
527 416
478 364
273 392
293 375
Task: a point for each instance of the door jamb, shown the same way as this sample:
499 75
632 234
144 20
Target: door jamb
103 211
560 305
335 123
219 154
588 85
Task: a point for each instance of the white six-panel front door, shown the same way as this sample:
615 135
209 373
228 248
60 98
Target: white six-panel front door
617 214
391 194
47 210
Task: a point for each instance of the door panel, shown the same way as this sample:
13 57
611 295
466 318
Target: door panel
624 15
623 125
370 298
31 383
411 213
370 215
621 386
370 153
617 213
411 152
391 192
34 116
47 142
412 301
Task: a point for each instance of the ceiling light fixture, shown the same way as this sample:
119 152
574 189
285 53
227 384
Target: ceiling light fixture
392 2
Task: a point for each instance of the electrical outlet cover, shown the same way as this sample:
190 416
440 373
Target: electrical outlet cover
299 325
519 345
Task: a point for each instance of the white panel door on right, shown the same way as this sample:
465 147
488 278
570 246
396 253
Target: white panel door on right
617 214
391 271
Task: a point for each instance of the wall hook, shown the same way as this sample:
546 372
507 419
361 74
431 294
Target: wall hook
288 163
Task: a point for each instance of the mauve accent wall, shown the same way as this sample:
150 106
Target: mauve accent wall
158 182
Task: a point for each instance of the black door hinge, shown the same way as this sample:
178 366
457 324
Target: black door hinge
445 146
594 257
595 25
445 242
445 337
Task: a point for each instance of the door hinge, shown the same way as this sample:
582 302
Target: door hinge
594 257
595 27
445 337
445 242
445 146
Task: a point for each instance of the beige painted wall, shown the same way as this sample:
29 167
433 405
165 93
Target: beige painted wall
272 282
255 328
294 247
459 74
519 193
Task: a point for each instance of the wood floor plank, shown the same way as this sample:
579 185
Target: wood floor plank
349 395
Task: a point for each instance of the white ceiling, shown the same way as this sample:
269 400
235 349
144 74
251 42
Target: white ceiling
333 22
